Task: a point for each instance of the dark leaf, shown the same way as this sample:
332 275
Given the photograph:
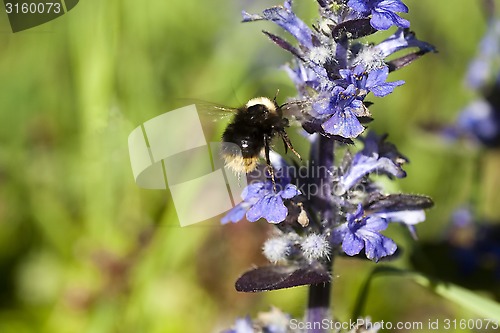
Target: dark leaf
281 277
353 29
365 119
405 60
283 44
397 202
332 68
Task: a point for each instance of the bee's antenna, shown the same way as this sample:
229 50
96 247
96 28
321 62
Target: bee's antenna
276 95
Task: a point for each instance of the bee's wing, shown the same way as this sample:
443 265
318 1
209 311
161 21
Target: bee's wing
213 117
301 112
298 110
214 111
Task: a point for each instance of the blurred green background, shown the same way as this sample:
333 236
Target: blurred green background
83 249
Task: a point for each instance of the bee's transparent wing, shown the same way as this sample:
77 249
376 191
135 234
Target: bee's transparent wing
214 117
213 111
298 110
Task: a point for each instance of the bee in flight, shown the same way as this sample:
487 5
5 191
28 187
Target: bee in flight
251 131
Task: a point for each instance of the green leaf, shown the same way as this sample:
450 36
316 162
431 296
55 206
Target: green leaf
469 300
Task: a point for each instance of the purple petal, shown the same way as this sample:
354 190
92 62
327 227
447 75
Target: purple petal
350 90
359 6
378 246
386 88
400 40
375 82
393 6
363 165
478 73
479 119
377 76
252 191
400 22
408 217
302 76
339 233
289 192
328 104
275 211
376 224
382 20
352 244
346 74
286 19
235 214
343 123
257 210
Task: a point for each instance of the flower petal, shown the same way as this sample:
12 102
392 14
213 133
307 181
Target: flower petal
286 19
352 244
378 246
289 192
275 211
236 214
343 123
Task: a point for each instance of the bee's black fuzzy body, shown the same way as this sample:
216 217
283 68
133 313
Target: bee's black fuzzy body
251 131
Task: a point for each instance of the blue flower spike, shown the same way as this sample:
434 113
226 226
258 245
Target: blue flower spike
333 207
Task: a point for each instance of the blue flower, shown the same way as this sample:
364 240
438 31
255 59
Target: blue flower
261 201
342 109
377 156
383 12
237 213
286 19
400 40
303 77
480 121
371 81
407 217
480 69
363 232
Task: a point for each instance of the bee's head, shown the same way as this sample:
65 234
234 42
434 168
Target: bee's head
262 106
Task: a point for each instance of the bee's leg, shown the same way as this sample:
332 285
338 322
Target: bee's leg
285 145
288 143
267 143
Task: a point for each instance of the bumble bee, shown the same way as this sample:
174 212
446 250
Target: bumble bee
251 132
